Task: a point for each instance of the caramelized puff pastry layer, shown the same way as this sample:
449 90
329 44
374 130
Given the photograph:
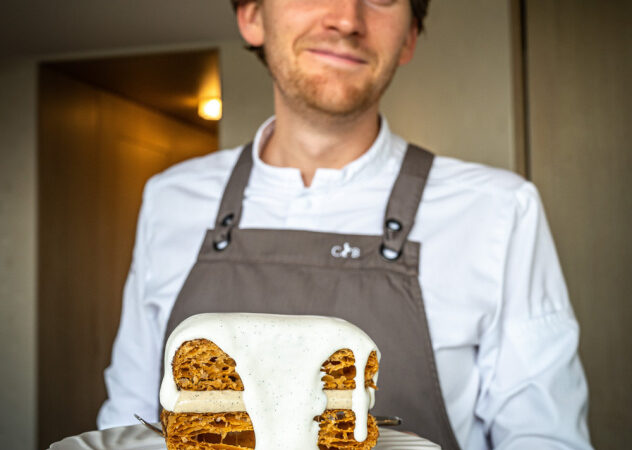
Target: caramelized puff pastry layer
234 431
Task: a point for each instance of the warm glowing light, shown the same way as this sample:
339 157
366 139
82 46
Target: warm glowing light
210 108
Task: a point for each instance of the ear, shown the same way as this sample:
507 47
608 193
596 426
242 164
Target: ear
410 43
250 23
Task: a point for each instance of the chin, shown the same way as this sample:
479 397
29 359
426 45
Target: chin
340 102
335 94
341 109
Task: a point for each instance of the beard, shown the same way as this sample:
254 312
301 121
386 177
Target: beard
334 92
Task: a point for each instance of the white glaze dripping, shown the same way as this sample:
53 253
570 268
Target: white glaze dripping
279 358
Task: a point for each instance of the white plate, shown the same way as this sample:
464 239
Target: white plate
138 437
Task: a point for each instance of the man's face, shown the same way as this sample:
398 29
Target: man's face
332 56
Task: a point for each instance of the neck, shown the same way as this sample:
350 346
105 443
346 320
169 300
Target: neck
309 140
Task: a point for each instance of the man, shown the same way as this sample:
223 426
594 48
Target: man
323 214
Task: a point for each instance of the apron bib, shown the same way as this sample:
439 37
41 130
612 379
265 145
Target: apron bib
370 281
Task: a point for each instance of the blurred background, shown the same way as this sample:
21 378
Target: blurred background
98 95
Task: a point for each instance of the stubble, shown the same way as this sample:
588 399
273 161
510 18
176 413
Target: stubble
330 91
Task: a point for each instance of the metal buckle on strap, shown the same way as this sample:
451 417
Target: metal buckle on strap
391 228
221 245
228 220
393 224
389 254
222 238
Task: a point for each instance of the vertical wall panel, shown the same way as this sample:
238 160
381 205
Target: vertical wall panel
18 260
579 72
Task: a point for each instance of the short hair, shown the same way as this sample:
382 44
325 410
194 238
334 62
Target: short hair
419 9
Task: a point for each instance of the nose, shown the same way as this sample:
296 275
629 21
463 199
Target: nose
346 17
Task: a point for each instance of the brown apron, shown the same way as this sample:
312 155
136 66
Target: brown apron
371 281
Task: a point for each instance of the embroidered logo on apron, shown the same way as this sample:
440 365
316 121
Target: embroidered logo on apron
345 251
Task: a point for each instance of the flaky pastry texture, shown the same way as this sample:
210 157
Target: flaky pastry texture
336 431
340 371
200 365
234 431
220 431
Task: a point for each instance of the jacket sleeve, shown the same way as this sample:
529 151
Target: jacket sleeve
534 392
132 379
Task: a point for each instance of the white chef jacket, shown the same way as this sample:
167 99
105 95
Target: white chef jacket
503 331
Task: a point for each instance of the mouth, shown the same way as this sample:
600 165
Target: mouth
338 57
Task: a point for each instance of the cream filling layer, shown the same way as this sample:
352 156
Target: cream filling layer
233 401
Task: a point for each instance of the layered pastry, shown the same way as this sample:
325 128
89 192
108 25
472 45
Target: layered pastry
270 382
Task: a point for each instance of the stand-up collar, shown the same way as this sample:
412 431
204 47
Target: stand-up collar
367 165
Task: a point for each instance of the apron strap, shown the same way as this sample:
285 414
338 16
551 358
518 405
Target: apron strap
404 200
400 212
229 212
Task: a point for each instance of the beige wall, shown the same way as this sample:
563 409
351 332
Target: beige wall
246 92
455 96
17 254
579 73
